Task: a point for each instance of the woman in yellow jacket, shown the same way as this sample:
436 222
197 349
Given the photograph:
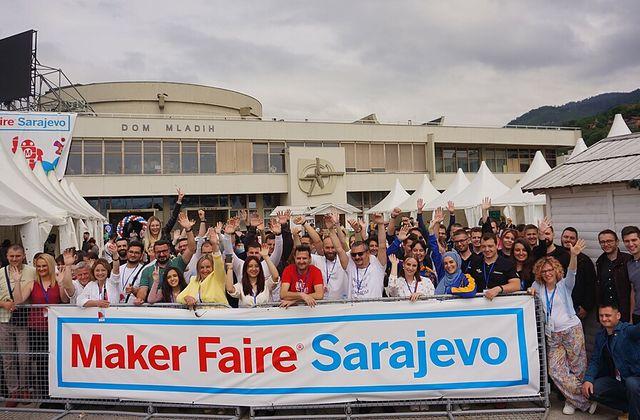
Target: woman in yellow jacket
208 285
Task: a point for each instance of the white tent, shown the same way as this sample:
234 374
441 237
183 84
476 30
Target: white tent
533 204
396 197
426 191
579 148
619 127
485 184
459 183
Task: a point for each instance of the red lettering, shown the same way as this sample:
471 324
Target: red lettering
134 356
115 357
157 354
94 352
261 352
7 122
175 356
248 366
203 353
231 361
284 354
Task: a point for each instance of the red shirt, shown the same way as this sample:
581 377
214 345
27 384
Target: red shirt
37 318
302 283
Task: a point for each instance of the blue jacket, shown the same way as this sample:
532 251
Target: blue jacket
625 349
464 285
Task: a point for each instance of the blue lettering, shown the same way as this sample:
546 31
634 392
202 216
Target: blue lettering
439 349
405 353
502 351
467 357
376 348
357 359
322 351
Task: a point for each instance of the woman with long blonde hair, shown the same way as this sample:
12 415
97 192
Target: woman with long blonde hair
208 285
155 231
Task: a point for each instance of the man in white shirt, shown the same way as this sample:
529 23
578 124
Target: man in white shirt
130 273
81 277
365 273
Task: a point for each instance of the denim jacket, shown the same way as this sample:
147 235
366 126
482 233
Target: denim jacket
625 351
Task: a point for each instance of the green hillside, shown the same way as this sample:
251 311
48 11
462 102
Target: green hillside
576 111
597 127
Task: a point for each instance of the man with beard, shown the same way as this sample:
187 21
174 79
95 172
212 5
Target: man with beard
460 239
546 247
163 261
122 244
494 273
301 281
130 274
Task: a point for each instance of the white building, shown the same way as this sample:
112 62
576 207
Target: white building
147 138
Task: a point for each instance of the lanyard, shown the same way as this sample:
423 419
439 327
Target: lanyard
126 281
329 273
358 281
415 288
486 276
44 292
549 300
103 292
254 294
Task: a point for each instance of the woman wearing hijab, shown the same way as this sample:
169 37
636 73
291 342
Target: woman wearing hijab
451 279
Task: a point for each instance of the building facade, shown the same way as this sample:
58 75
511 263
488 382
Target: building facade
147 138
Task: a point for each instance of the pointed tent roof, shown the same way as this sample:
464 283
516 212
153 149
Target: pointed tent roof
579 148
327 208
515 196
459 183
392 200
619 127
426 191
485 184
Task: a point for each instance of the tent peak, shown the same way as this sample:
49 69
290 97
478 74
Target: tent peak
618 127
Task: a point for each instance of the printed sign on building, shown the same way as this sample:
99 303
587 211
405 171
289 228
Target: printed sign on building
331 353
42 137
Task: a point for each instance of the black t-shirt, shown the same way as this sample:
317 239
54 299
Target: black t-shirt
493 275
473 260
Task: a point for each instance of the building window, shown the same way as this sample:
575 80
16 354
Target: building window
92 158
449 159
349 156
276 158
171 157
207 157
133 157
112 157
260 158
74 162
189 157
152 160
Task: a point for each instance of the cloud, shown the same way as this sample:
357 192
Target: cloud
475 62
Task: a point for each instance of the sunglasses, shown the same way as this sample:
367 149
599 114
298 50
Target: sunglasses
357 254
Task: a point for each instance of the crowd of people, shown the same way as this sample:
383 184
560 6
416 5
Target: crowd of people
247 261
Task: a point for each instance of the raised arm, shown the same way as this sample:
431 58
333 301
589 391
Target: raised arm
575 250
313 234
187 225
342 254
392 221
378 218
174 214
276 255
155 295
264 253
228 282
66 281
202 229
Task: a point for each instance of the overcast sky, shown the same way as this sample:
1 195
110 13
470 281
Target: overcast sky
482 62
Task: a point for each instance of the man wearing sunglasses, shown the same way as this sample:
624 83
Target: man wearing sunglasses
365 273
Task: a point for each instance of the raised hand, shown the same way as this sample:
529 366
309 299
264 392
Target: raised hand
201 215
378 218
395 212
363 225
212 234
299 219
180 194
295 230
230 227
69 255
284 216
354 225
486 203
275 225
184 222
218 228
438 216
544 224
329 223
156 274
255 220
578 247
264 251
420 205
111 247
243 215
393 259
451 207
403 233
14 274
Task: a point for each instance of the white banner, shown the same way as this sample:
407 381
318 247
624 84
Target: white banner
331 353
41 136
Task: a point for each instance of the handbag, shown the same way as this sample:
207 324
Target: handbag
20 314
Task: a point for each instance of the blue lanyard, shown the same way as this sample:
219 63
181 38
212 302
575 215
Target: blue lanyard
415 288
484 272
44 292
358 281
254 294
326 266
550 301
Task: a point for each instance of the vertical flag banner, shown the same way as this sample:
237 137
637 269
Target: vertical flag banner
40 136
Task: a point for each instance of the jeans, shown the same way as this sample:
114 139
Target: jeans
621 395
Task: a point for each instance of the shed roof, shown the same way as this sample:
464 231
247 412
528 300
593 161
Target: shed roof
614 159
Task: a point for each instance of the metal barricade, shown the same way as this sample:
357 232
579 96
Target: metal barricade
24 355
